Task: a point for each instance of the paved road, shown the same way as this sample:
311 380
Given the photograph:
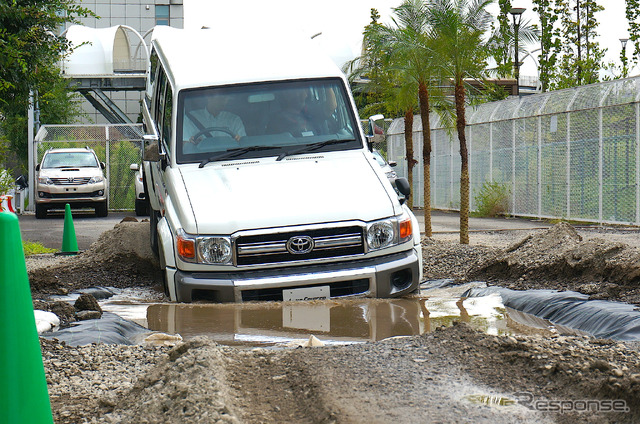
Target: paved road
449 222
87 226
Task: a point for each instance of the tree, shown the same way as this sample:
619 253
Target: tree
29 53
404 47
460 26
582 56
550 41
502 41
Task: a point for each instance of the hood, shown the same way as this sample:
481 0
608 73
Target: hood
261 193
70 172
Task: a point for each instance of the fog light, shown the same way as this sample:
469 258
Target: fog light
100 192
41 193
401 279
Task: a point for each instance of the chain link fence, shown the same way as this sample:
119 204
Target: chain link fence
118 146
571 154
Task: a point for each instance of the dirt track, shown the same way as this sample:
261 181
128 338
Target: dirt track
442 376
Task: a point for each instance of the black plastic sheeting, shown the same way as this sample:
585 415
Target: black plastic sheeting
110 329
601 318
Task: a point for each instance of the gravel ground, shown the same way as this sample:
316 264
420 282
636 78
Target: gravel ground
453 374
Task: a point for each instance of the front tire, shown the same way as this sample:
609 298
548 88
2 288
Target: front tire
41 211
142 207
101 209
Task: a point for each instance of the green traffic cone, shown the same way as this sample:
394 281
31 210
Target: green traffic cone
69 242
23 386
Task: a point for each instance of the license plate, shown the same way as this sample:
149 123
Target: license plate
306 293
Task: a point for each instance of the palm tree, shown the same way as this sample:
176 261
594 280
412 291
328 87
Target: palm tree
459 26
409 60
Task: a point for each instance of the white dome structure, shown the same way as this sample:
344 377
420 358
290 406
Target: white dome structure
100 51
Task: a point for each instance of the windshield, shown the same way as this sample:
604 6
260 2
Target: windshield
69 160
267 119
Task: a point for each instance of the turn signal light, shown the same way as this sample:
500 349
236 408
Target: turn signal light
405 229
186 248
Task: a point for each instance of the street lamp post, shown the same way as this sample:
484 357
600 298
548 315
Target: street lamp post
623 56
516 13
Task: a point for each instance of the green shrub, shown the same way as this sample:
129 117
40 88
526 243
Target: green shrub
35 248
6 181
492 200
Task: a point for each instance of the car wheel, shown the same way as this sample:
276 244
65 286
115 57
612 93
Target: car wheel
153 230
142 207
41 211
101 209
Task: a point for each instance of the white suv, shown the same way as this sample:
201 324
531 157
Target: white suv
73 176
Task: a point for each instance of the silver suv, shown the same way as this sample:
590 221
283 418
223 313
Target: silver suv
73 176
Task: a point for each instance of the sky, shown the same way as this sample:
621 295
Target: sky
341 22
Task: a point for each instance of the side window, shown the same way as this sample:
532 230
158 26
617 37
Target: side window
166 121
158 101
153 66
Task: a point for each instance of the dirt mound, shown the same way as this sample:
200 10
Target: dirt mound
560 258
121 257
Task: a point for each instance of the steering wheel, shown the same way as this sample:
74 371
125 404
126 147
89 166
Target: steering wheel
211 129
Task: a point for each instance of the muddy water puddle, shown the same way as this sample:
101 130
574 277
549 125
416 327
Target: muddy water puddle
334 321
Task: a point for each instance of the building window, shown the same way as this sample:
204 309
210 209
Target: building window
162 15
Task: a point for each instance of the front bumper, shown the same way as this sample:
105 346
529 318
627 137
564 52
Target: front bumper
386 276
86 194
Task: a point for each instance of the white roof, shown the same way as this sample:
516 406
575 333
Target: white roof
207 57
97 51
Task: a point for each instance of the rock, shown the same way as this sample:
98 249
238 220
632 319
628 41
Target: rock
87 302
85 315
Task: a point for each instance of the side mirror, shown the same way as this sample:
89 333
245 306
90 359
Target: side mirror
392 163
37 167
376 132
103 165
151 148
134 167
403 186
21 182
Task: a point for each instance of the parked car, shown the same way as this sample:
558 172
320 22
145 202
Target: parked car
71 175
387 167
142 202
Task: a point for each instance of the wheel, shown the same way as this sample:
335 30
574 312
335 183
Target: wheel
101 209
142 207
209 130
41 211
153 230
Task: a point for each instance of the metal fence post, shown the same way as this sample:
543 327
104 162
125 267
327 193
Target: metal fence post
637 107
568 164
600 165
539 167
513 165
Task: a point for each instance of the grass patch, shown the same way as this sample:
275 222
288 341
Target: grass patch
492 200
35 248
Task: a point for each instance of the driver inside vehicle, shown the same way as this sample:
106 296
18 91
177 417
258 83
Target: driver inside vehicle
212 120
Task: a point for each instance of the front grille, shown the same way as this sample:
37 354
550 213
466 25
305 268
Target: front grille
327 242
341 288
71 180
70 195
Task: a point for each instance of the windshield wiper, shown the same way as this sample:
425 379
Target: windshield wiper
313 146
232 153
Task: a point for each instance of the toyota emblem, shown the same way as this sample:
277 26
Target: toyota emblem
299 245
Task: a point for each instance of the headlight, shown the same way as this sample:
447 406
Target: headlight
391 174
97 179
45 180
214 250
380 234
389 232
204 250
